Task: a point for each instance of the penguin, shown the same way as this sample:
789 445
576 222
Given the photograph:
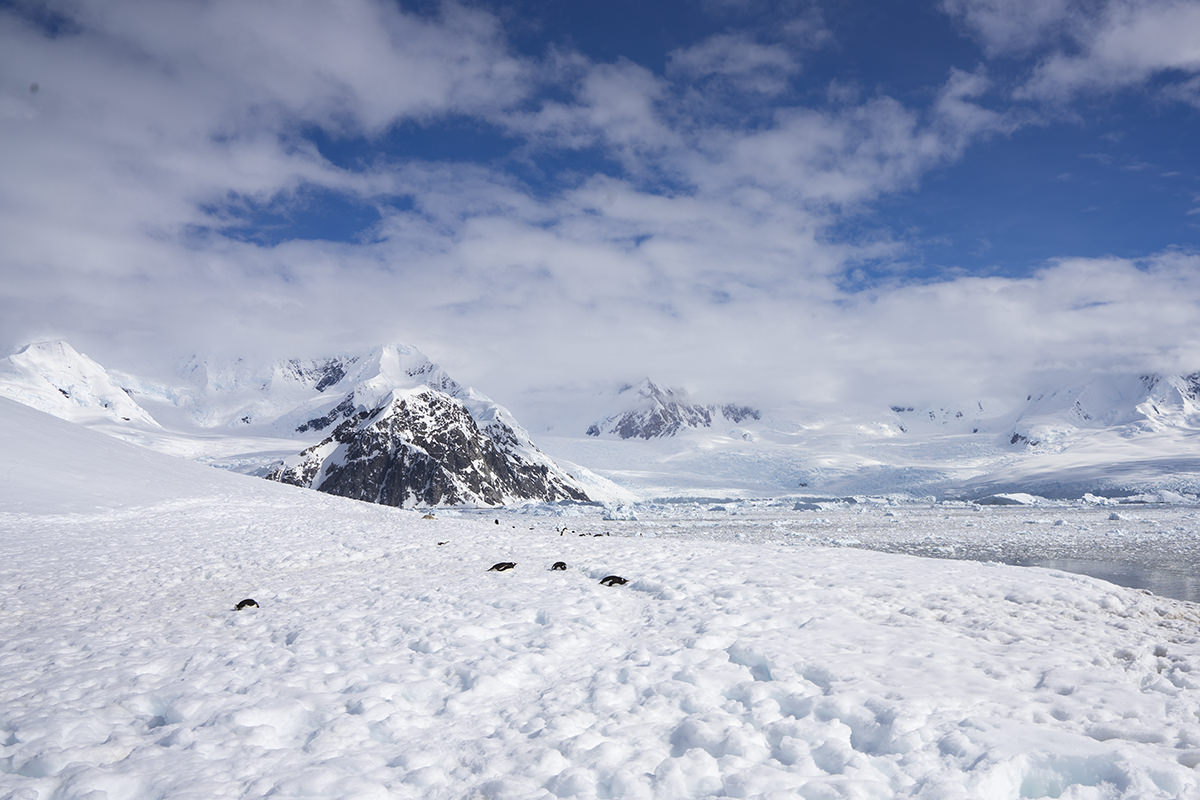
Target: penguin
247 603
500 566
613 580
559 565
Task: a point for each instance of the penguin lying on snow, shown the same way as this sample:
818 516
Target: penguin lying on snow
247 603
613 580
501 566
559 565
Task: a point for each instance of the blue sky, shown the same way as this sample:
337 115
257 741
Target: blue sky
788 200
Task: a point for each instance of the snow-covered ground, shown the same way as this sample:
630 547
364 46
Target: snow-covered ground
751 654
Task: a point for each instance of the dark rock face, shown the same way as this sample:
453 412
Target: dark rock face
333 373
665 420
424 448
320 374
342 410
740 413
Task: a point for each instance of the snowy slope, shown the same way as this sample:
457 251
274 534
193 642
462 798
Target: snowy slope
55 378
54 466
385 661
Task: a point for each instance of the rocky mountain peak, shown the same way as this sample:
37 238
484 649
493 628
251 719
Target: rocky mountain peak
650 411
422 447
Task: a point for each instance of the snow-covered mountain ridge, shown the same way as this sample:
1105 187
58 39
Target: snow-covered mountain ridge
405 431
1134 405
1103 433
389 424
650 412
424 447
54 378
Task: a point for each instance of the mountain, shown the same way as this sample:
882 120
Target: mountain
55 378
1130 405
423 447
650 411
393 428
287 398
387 425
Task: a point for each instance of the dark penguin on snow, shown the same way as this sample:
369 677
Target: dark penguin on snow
559 565
613 580
247 603
500 566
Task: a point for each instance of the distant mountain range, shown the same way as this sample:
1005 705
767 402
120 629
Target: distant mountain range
390 426
1052 419
650 412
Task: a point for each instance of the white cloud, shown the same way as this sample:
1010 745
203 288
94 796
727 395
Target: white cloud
1090 45
613 106
703 258
1130 44
827 159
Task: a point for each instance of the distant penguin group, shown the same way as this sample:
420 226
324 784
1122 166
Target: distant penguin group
608 580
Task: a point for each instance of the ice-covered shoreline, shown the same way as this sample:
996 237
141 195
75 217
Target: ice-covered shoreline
1153 546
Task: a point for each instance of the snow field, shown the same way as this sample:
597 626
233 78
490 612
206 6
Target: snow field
745 658
382 664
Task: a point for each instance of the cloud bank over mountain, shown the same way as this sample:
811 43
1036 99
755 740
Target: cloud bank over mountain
538 206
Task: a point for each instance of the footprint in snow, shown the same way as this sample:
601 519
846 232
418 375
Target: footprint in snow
501 566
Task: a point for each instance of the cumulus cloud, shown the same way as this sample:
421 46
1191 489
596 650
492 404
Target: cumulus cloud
611 105
830 158
1130 44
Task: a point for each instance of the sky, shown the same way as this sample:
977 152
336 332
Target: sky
825 202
